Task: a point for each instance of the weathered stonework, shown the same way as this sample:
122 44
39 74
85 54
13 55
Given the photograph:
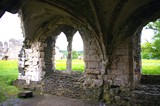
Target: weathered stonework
31 62
110 30
63 84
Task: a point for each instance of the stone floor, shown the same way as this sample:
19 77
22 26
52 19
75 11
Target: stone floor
48 100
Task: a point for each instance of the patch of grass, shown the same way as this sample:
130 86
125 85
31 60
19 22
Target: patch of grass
8 73
151 67
77 65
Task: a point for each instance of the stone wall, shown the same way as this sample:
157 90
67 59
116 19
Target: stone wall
118 67
36 66
49 53
117 80
63 84
31 62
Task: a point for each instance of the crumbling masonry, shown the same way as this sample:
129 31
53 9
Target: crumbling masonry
110 30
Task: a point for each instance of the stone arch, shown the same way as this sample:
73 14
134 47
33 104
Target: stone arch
93 53
44 40
126 46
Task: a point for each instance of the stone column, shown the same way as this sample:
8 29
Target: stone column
69 56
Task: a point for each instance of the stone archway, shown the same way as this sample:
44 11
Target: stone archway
125 60
93 53
39 61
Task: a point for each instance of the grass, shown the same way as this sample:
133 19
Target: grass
8 73
77 65
151 67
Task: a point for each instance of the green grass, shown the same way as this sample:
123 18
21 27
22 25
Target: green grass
151 67
8 73
77 65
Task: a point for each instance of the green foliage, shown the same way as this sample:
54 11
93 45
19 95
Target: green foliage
8 73
146 50
74 54
152 50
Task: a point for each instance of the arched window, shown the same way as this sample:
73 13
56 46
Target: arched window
77 53
61 52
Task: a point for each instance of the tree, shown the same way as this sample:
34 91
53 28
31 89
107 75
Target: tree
146 50
155 45
74 54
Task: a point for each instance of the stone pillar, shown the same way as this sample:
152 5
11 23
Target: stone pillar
69 56
136 56
31 61
48 56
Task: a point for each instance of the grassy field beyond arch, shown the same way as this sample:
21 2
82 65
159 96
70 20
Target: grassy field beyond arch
9 72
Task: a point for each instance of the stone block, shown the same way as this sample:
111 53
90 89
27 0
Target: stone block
93 52
90 76
93 65
28 51
27 63
43 44
42 54
121 65
87 82
92 71
34 63
117 72
100 77
25 94
97 83
121 80
94 58
102 71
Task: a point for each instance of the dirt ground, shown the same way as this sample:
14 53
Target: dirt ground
48 100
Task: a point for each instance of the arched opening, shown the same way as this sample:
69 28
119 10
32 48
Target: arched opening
150 55
61 52
10 45
147 57
77 53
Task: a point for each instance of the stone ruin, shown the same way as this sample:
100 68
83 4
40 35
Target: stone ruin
10 50
110 30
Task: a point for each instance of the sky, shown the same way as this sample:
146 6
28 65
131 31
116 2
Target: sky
77 43
10 28
147 35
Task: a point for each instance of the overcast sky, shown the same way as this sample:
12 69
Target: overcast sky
77 43
10 28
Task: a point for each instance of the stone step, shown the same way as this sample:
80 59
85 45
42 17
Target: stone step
25 94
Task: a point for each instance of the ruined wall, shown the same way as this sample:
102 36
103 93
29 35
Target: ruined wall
117 80
10 49
39 68
31 62
63 84
94 70
118 69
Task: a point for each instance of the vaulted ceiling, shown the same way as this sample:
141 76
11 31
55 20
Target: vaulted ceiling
107 17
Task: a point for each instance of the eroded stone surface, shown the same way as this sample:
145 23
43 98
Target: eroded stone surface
110 30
